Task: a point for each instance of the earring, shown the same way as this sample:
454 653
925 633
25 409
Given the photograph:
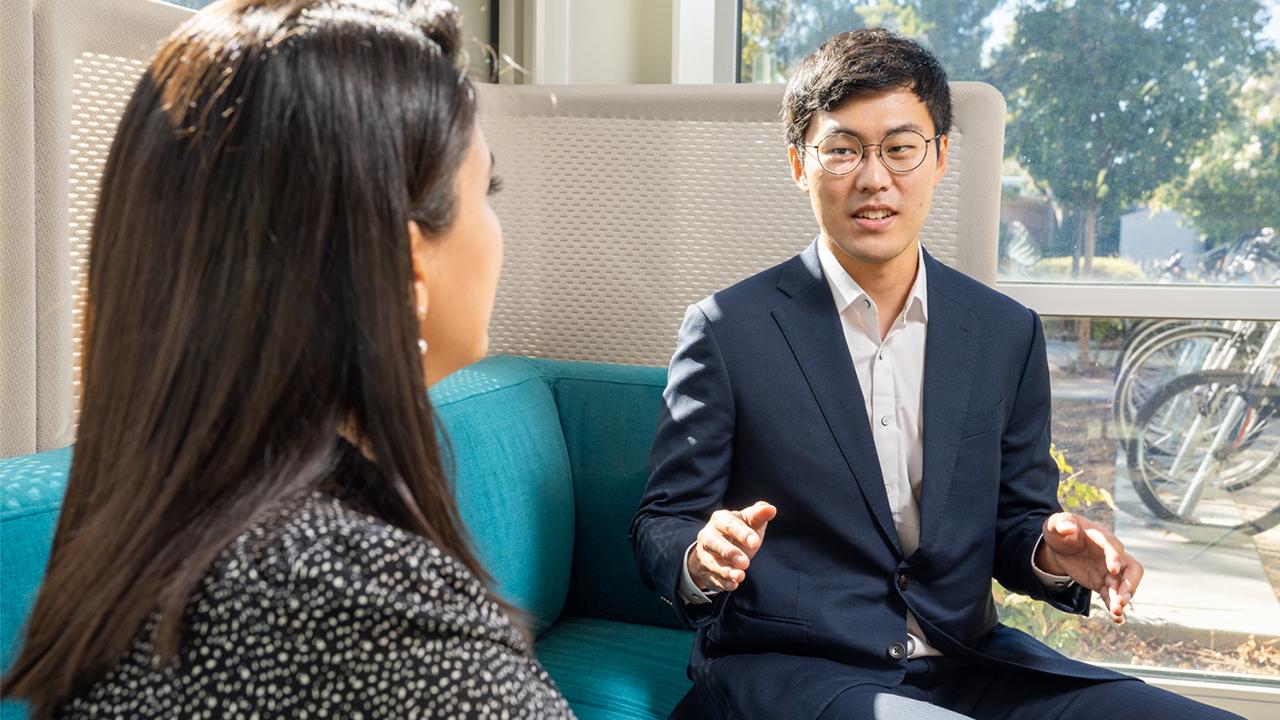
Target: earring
422 342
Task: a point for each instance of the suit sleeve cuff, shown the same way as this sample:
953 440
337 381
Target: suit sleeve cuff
1053 583
689 592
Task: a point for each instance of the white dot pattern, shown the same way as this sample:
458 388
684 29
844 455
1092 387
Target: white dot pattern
323 612
100 89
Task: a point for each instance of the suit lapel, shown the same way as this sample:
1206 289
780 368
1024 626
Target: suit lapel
812 329
949 357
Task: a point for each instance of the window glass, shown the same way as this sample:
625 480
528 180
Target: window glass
1143 137
1168 431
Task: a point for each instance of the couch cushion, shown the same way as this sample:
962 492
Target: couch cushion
609 414
634 671
31 489
512 480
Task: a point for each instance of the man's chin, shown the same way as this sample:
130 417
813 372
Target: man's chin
871 251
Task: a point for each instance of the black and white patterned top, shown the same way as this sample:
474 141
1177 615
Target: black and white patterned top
325 612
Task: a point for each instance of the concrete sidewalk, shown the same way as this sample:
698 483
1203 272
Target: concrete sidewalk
1220 588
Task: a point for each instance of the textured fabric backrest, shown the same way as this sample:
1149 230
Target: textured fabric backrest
512 480
608 414
621 205
67 68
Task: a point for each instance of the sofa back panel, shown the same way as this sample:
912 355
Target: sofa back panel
609 414
512 477
31 489
513 481
623 204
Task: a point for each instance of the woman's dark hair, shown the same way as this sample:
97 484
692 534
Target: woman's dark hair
250 297
860 63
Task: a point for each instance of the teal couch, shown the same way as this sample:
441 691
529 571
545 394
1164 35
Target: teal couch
550 460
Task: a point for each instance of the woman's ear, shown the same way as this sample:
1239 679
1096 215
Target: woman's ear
418 249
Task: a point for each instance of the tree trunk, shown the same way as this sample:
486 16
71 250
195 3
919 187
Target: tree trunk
1090 247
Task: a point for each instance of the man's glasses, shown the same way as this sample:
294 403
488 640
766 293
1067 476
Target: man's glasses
840 153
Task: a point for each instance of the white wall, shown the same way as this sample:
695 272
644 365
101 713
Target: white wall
593 42
619 41
475 19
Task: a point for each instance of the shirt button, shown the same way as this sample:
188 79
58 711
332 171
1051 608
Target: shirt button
897 651
904 581
881 356
866 302
885 421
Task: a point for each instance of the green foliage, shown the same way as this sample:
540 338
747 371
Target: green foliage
1106 97
1075 494
1058 630
1232 188
1107 332
1107 269
790 29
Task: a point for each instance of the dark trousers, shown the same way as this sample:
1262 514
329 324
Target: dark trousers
942 689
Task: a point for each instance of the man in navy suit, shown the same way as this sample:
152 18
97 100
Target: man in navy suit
895 476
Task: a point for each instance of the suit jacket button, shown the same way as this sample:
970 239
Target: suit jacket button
904 581
897 651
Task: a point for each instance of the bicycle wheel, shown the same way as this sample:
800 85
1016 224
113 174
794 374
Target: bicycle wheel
1170 353
1209 425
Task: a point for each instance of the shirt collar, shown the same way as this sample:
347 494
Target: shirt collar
845 290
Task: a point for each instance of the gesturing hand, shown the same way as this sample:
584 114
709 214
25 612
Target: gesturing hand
1091 556
726 545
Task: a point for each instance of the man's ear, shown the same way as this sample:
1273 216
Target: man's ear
944 145
795 156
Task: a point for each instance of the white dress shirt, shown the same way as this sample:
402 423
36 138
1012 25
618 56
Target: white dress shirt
890 372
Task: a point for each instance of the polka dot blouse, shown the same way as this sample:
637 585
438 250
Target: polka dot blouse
325 612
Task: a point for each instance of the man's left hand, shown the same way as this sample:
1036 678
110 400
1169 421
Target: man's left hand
1092 556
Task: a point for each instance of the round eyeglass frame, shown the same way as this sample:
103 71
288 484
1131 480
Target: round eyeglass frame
818 156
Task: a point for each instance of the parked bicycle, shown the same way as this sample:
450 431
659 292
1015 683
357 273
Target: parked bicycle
1205 445
1159 351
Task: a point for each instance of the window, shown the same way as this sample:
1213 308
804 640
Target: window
1143 150
1142 181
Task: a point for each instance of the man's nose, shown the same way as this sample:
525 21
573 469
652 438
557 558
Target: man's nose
872 176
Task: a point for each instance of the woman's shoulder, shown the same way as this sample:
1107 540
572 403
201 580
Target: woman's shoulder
320 608
321 554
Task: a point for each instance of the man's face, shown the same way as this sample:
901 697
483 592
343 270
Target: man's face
871 214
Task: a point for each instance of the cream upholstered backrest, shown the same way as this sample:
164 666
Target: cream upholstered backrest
67 67
621 205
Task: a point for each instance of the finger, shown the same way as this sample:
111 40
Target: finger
1111 598
1129 580
1112 548
717 584
724 551
716 572
732 527
1062 533
759 515
1062 524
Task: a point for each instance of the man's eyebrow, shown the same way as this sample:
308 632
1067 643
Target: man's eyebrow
896 128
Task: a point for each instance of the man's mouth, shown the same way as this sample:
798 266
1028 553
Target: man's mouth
874 213
874 218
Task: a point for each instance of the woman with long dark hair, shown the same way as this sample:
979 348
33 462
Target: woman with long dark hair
293 240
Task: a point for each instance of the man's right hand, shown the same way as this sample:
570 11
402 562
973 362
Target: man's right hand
726 545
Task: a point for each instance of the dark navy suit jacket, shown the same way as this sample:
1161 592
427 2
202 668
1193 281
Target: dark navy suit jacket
762 403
